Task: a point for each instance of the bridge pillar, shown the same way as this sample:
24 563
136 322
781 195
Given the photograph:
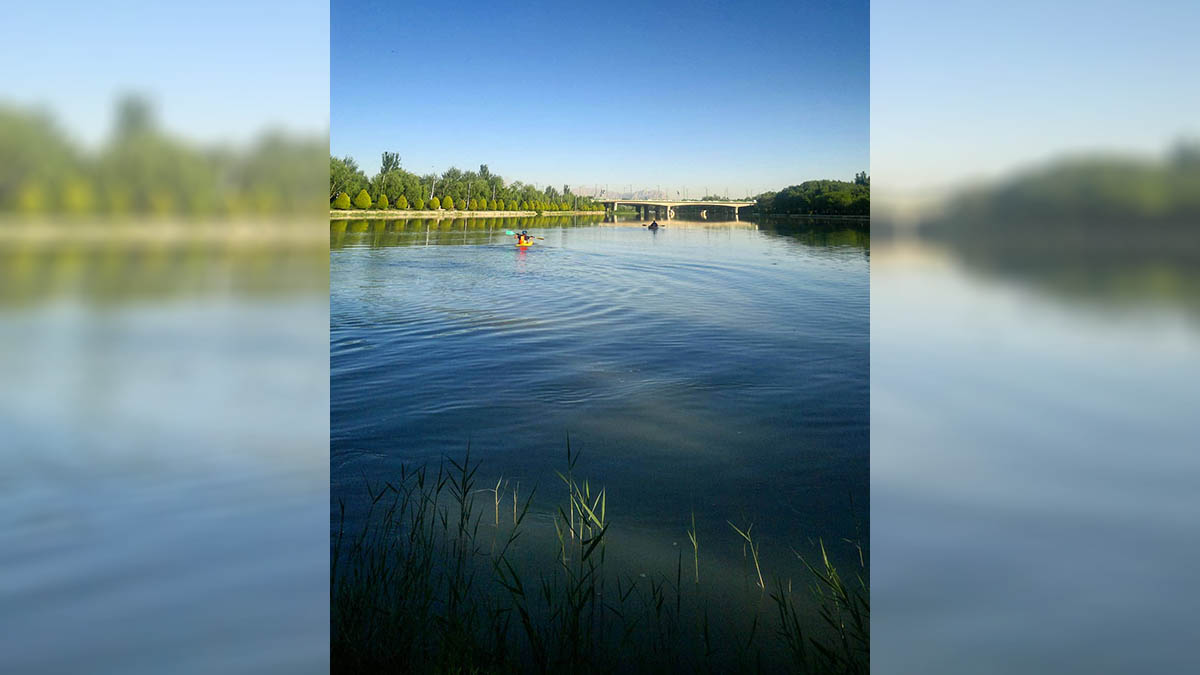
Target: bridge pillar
735 213
670 212
704 213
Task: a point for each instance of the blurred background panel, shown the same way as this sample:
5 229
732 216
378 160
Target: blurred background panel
164 338
1035 336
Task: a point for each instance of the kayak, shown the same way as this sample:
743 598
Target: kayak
527 245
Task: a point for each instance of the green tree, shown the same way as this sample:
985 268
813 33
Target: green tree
363 200
401 202
382 203
434 205
394 184
345 176
135 117
473 204
390 161
448 202
492 205
342 201
419 204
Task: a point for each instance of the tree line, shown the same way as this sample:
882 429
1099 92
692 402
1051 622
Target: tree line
1082 194
392 187
141 170
820 197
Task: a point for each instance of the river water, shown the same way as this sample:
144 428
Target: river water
715 367
1034 462
163 468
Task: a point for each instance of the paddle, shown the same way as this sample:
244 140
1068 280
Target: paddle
511 234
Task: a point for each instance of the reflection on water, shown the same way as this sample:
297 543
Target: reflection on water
425 231
720 367
1033 427
457 231
1098 267
163 465
100 261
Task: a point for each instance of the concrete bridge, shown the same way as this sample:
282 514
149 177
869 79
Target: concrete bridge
666 209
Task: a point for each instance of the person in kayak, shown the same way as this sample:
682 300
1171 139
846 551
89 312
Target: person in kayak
523 238
654 225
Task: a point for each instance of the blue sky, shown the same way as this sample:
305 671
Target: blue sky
219 70
686 95
969 90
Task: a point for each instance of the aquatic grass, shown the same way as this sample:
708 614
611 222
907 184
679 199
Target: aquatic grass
695 546
416 589
844 608
753 549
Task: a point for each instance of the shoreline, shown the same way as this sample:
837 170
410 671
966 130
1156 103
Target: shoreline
396 214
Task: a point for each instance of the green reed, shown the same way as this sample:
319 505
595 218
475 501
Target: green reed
422 588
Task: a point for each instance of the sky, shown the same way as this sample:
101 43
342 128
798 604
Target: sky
694 95
216 71
690 96
966 91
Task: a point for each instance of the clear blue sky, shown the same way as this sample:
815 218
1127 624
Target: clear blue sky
742 96
218 70
967 90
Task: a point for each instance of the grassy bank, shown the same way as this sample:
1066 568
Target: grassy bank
444 575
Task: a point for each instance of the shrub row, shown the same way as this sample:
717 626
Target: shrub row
363 201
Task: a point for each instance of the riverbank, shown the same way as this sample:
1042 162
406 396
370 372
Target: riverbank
139 259
99 233
352 214
815 216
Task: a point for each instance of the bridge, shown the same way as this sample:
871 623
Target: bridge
663 208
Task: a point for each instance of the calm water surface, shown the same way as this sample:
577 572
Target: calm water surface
1034 467
160 484
710 366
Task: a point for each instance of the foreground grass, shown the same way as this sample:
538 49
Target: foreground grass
431 583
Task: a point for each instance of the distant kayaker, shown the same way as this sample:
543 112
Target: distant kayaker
524 238
654 225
